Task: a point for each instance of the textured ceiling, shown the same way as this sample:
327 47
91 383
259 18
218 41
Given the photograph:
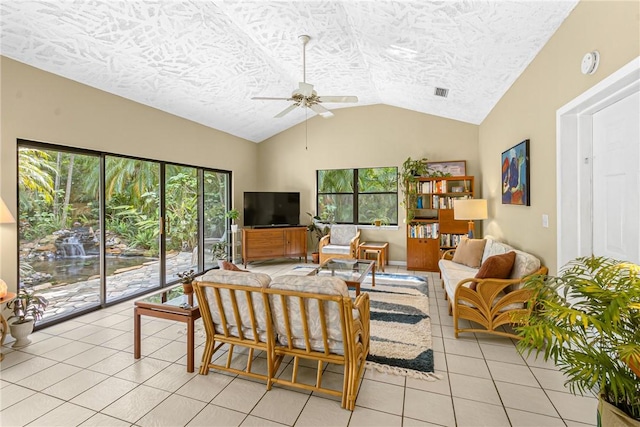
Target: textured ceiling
204 60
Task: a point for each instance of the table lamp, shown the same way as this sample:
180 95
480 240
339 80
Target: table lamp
470 209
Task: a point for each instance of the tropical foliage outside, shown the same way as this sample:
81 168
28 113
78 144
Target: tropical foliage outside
358 195
59 213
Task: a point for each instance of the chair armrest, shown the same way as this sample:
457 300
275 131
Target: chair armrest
353 245
487 290
362 304
448 254
323 242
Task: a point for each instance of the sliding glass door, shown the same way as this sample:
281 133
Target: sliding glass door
59 223
97 228
132 226
181 220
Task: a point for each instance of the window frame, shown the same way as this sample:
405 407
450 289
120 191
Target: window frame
356 193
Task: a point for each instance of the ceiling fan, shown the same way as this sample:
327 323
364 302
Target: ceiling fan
305 96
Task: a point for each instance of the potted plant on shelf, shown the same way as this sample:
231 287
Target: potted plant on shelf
186 278
318 230
233 215
587 320
27 309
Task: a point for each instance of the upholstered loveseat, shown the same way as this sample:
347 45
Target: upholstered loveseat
488 302
304 317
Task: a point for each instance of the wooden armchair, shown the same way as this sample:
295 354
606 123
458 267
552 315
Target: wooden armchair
315 319
233 309
494 302
341 242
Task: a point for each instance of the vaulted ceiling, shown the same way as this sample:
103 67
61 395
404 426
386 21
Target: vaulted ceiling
205 60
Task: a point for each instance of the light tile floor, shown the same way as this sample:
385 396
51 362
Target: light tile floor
82 372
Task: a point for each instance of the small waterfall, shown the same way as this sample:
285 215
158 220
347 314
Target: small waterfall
72 247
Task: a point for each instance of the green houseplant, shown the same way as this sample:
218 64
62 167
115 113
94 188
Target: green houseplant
408 178
587 320
318 230
233 215
27 309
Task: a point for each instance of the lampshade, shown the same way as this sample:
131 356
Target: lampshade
5 214
3 289
470 209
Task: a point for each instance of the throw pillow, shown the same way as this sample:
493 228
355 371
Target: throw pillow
469 252
226 265
496 267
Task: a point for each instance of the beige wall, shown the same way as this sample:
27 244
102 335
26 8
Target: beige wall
527 111
377 135
40 106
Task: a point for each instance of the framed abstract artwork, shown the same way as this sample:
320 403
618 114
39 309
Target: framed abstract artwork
515 175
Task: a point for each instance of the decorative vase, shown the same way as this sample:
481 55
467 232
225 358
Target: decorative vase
188 288
21 331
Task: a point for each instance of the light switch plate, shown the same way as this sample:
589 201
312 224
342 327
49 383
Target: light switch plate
545 220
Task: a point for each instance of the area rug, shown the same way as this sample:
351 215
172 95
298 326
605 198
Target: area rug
400 326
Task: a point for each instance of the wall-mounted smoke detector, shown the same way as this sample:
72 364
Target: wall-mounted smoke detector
440 91
590 62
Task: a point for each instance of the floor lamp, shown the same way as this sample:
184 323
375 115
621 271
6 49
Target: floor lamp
5 218
470 209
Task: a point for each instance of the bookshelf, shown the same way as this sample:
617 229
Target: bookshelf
431 228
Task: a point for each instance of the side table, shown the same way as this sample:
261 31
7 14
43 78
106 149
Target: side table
3 322
379 249
171 304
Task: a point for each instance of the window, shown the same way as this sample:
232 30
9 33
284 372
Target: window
97 228
358 196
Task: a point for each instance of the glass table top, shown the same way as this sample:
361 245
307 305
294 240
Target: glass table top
347 269
172 298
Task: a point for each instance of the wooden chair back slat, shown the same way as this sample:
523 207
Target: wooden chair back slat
223 317
236 312
323 323
305 324
252 315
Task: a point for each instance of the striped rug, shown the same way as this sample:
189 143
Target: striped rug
400 326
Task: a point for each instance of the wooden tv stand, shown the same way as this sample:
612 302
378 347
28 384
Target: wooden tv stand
268 243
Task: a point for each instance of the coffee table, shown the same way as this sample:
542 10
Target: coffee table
172 304
352 271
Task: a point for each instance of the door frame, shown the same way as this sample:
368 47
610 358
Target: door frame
574 159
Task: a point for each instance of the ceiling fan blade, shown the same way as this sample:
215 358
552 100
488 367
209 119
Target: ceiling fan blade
306 89
338 99
268 98
286 111
321 110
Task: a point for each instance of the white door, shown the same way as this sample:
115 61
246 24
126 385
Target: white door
616 180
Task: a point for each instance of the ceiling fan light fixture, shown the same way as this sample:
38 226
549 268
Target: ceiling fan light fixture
304 96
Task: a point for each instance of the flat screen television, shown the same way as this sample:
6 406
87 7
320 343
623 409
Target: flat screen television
271 209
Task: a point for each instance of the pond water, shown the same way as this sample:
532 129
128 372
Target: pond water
77 269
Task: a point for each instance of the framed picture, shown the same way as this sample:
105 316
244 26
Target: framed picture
454 168
515 175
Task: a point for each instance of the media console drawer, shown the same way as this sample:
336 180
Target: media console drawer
261 243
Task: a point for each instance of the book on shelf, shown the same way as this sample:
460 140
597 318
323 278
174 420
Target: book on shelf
450 240
421 231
